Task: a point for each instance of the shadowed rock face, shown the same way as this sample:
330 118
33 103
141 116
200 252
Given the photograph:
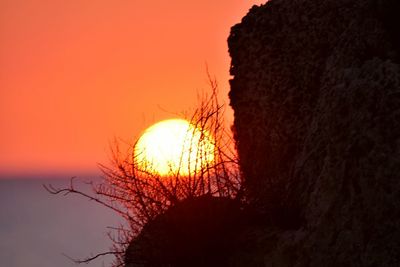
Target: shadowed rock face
316 96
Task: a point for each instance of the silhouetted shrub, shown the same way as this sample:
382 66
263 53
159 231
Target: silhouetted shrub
145 199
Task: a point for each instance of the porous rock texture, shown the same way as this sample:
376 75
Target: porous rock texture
316 99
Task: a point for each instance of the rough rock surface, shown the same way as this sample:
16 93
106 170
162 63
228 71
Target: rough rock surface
316 99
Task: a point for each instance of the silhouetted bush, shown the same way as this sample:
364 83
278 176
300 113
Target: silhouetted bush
141 196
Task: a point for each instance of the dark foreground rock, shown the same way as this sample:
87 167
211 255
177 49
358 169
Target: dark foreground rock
316 96
201 231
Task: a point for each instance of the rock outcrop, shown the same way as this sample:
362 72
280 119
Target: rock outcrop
316 99
196 232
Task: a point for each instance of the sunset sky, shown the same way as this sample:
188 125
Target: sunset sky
76 74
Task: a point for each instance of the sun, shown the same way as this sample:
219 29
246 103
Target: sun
174 147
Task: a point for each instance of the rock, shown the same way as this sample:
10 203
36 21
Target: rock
316 100
201 231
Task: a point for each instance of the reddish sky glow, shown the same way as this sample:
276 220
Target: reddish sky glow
76 74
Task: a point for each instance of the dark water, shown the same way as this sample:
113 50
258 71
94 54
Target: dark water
37 228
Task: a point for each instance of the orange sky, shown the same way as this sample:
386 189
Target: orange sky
75 74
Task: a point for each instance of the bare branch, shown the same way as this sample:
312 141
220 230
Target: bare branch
89 259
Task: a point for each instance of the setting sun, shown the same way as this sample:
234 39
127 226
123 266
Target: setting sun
174 147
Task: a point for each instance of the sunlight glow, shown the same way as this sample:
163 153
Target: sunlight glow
174 147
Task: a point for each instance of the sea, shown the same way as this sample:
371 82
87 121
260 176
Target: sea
38 229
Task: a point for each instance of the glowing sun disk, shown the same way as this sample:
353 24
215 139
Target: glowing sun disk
174 146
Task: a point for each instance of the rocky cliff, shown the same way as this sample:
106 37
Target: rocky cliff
316 99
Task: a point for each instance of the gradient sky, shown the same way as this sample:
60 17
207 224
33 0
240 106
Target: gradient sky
76 74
